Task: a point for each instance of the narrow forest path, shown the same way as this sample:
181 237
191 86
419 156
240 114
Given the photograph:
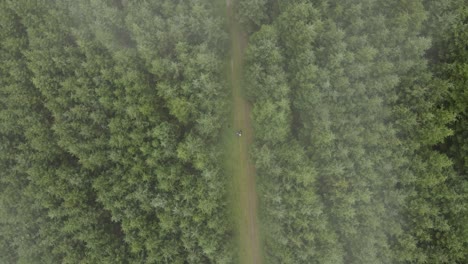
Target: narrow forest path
242 168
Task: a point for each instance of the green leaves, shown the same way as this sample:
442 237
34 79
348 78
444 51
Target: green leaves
112 111
100 134
350 83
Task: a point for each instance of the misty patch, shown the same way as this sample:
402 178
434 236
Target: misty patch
105 20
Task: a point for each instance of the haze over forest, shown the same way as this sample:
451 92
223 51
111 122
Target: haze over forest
246 131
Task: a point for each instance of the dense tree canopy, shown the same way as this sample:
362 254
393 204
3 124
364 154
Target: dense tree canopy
112 116
351 83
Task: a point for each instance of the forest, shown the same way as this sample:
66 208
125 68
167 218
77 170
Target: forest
114 114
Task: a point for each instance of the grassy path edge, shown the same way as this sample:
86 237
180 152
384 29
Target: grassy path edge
243 188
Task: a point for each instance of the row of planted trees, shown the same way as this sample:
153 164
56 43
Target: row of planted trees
111 112
359 110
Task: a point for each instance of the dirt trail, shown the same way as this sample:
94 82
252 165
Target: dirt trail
244 172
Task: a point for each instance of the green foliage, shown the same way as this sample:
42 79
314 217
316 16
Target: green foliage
95 129
294 226
448 60
350 84
111 115
251 13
